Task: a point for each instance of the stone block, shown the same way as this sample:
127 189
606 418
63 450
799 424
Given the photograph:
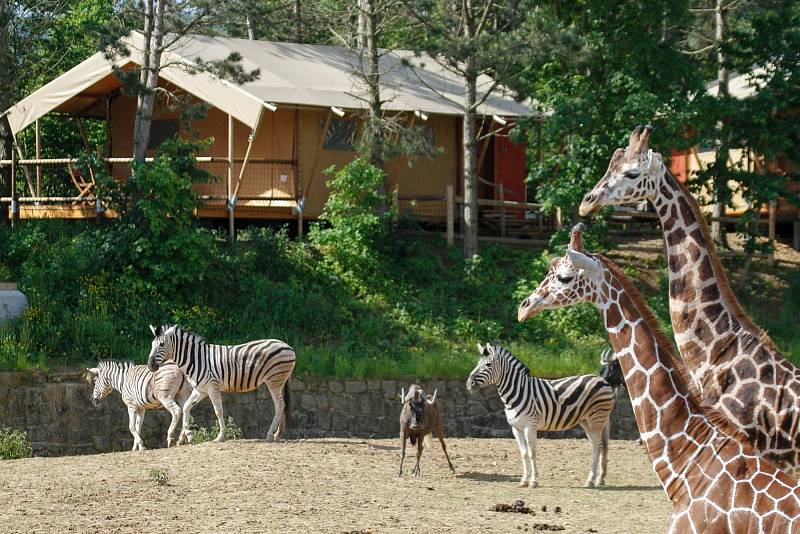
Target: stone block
355 387
335 386
373 385
390 388
295 384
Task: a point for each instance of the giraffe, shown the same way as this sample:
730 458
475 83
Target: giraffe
737 367
714 479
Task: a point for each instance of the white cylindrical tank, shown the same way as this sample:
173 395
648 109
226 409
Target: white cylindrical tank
13 302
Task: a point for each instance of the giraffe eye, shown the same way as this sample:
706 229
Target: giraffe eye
565 279
632 173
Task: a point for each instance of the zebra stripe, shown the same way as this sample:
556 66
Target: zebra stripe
533 403
213 369
142 389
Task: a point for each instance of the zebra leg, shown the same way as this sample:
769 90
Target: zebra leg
139 420
216 399
132 427
604 453
195 397
596 437
530 437
175 410
523 453
278 421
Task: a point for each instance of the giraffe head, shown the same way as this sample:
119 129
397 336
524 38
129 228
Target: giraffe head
632 175
575 277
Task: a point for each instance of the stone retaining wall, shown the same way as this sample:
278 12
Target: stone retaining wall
57 412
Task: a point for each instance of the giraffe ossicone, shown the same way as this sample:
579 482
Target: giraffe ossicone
711 474
738 368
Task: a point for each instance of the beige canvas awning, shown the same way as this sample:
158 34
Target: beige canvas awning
290 74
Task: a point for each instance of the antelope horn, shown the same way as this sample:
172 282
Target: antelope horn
432 399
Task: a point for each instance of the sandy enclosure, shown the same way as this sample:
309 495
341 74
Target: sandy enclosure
330 485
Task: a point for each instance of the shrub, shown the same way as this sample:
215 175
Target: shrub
357 216
232 431
14 444
159 477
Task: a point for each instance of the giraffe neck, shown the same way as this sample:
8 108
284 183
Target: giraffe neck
705 314
659 398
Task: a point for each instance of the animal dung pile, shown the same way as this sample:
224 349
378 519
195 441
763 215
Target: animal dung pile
519 508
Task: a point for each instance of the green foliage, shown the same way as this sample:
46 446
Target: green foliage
358 221
14 444
158 477
203 434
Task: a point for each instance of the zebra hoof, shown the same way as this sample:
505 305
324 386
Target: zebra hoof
523 484
219 439
590 484
533 484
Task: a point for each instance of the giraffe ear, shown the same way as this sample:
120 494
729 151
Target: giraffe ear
590 266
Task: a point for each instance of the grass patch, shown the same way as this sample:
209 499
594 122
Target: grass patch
14 444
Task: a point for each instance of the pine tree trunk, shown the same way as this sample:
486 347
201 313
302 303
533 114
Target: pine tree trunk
248 20
717 209
373 83
149 78
6 74
470 229
361 29
297 17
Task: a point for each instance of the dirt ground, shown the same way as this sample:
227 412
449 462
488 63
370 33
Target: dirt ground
330 485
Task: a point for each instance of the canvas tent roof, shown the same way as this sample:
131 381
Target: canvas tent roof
290 73
741 86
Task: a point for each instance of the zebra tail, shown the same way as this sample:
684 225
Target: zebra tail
427 441
287 398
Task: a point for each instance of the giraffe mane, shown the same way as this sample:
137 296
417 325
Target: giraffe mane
718 270
667 349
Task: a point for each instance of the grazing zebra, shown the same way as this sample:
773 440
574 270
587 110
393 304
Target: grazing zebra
610 369
212 369
142 390
533 404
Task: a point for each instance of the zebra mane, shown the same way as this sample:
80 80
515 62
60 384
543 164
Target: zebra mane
505 353
189 335
108 364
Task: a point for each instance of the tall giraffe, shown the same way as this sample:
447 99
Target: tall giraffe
736 365
716 482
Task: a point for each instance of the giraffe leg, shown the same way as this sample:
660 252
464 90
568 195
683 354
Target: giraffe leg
530 437
523 453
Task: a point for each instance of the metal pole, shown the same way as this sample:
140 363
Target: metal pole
450 216
38 156
231 234
14 201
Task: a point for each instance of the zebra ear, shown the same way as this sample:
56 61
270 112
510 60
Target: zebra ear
153 330
481 349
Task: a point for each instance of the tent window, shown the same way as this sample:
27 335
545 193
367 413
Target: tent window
161 130
341 134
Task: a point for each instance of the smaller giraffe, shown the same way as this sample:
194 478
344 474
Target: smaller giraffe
713 477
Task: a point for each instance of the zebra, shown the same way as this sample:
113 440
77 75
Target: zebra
533 404
142 390
212 369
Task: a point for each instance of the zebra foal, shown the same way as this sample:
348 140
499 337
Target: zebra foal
212 369
533 404
142 390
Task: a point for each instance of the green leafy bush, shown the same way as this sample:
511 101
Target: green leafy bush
357 216
14 444
232 431
159 477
